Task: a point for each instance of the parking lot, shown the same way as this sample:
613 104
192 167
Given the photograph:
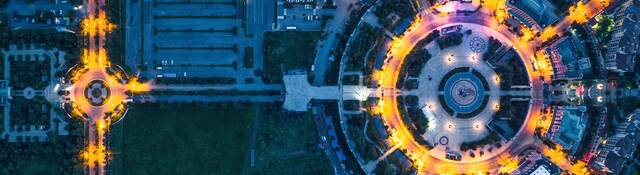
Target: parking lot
194 40
204 39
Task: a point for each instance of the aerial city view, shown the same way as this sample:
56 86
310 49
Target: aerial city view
315 87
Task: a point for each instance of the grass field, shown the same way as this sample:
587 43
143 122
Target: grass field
184 140
285 51
40 166
288 144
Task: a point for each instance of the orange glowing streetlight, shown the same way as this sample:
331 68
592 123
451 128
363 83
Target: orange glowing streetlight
527 34
578 13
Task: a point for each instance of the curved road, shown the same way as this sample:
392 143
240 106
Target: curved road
504 160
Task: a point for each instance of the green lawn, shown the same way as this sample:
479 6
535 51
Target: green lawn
182 140
247 61
288 50
287 144
40 166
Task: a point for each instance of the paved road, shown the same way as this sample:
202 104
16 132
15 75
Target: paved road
207 98
401 135
323 132
334 29
95 62
240 87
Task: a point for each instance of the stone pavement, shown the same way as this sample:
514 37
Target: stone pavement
298 92
448 130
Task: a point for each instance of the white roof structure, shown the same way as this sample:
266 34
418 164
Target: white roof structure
541 170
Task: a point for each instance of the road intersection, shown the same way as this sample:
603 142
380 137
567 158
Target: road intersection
502 161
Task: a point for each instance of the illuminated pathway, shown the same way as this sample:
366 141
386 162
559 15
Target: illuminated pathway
505 160
98 91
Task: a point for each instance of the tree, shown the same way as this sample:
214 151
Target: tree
4 3
603 26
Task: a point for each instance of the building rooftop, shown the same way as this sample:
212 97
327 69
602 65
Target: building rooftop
380 129
541 12
624 44
619 148
536 164
571 130
567 62
402 158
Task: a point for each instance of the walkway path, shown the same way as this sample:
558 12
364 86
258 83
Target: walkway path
239 87
299 92
255 127
206 98
57 122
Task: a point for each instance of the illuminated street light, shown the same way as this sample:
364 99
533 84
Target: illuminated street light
450 58
600 86
600 99
450 126
473 56
525 45
477 126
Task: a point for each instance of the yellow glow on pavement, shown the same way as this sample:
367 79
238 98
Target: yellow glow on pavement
558 157
578 13
400 134
527 34
548 33
94 154
93 66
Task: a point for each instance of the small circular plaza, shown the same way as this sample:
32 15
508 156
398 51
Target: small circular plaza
97 92
464 92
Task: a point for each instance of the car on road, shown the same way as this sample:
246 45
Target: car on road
453 156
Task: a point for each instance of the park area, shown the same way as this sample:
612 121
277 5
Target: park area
215 139
288 144
284 51
41 166
181 140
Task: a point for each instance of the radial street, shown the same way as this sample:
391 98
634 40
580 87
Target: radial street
504 160
86 102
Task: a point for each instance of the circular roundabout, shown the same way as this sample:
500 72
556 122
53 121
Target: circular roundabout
460 94
97 91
